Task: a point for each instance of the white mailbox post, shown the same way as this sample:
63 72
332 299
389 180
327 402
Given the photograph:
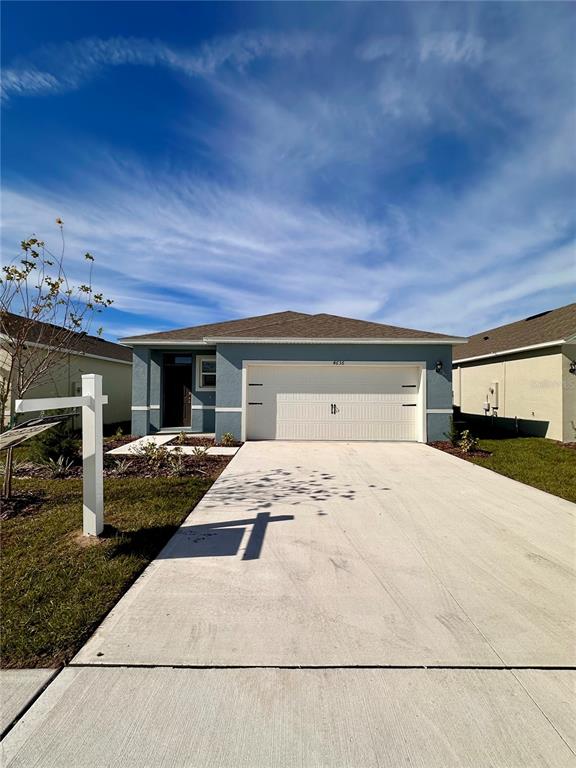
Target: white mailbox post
91 401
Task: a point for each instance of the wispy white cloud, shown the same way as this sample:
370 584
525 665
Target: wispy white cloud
323 198
169 246
453 47
66 67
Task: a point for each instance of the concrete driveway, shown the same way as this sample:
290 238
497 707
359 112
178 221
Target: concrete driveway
333 557
334 554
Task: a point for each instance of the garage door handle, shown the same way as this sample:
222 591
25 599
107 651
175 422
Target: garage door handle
408 405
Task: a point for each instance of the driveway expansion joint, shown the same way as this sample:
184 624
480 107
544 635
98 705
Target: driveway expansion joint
463 667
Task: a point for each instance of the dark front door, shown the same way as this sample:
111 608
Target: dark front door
177 388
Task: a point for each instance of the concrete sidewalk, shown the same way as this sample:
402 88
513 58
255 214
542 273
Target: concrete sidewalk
257 718
303 600
18 688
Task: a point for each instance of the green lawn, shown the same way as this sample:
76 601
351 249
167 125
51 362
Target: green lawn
535 461
56 584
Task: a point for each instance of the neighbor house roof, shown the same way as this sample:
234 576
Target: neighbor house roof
542 330
291 326
78 343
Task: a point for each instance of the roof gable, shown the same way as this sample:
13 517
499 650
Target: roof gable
289 325
543 328
324 326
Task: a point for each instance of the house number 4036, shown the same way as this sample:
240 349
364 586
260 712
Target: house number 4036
337 362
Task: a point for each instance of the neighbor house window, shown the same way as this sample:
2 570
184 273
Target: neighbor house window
206 372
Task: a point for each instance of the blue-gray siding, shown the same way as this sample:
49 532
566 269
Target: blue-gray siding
147 400
147 380
229 358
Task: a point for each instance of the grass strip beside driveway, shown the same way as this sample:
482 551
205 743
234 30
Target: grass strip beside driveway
58 585
535 461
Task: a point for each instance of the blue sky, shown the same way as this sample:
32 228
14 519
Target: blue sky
400 162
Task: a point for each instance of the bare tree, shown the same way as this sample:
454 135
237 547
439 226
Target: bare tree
42 318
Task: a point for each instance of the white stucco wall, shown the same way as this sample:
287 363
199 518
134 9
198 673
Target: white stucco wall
530 387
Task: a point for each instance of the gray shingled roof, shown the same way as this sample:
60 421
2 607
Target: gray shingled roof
554 325
77 342
198 332
290 325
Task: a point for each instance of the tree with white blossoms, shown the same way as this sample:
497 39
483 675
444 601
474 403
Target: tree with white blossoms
42 318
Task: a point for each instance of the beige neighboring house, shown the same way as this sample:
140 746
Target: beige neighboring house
523 374
84 354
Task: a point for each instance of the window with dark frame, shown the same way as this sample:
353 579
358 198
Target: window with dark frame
206 372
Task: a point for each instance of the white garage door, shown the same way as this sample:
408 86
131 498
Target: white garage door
333 402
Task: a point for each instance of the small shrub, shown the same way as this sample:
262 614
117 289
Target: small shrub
176 462
227 439
155 456
199 451
119 433
122 466
181 439
468 443
59 440
454 434
59 467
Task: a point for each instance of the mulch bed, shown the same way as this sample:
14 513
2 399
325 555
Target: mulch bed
447 447
131 466
187 439
570 446
206 442
192 466
115 442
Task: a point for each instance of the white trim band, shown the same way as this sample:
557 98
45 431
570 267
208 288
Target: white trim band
338 363
247 340
505 352
440 410
154 407
214 340
139 408
203 407
229 410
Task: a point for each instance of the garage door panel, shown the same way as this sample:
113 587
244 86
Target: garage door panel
343 430
320 402
346 397
368 411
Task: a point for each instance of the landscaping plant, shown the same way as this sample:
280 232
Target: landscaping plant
176 462
467 442
61 440
454 434
60 467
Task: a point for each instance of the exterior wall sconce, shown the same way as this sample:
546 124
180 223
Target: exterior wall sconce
439 366
572 367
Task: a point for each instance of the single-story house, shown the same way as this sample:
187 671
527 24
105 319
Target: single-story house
523 374
294 376
83 353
